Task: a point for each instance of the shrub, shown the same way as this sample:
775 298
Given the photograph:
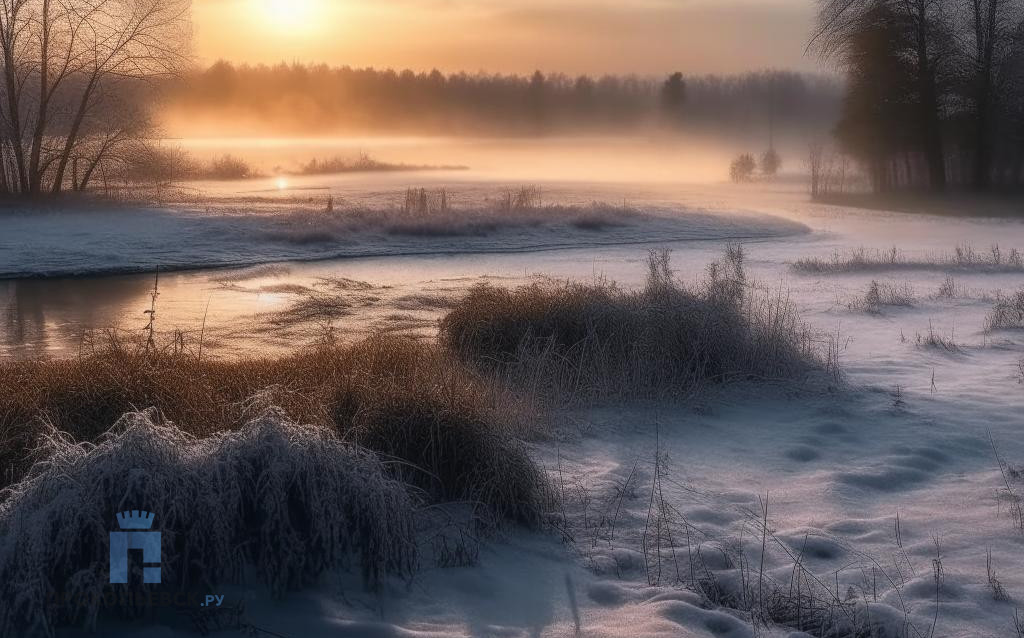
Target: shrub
880 295
292 501
742 168
601 340
373 391
1007 313
228 167
771 163
454 435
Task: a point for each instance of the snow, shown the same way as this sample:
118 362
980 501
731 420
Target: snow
228 231
909 436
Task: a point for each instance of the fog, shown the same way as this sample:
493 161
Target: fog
684 159
311 100
533 127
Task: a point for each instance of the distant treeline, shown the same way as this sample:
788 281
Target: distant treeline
935 89
316 99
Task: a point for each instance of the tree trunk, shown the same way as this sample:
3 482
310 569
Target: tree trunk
929 106
985 32
35 176
14 117
69 144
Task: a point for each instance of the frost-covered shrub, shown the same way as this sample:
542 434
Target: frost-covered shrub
385 392
742 168
880 295
86 395
412 402
667 338
1007 313
454 454
289 501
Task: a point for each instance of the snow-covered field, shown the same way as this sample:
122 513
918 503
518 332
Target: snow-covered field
931 398
293 224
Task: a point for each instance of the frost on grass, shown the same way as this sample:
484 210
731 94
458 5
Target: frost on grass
963 257
882 295
1007 313
667 338
939 341
454 434
442 213
451 432
291 501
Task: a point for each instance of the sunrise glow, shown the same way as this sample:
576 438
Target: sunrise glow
289 15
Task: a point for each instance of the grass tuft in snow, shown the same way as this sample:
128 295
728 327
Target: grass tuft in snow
938 341
666 339
882 295
964 257
441 212
290 501
1007 313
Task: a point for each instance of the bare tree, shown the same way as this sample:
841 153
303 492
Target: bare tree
925 27
990 27
63 63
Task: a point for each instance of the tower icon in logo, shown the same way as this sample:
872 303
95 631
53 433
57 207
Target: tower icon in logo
138 537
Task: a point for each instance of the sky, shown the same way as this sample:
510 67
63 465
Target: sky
511 36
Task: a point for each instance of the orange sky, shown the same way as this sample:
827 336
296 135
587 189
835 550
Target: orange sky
573 36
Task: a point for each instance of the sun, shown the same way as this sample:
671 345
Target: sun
289 15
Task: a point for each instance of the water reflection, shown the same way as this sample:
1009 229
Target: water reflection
45 315
236 310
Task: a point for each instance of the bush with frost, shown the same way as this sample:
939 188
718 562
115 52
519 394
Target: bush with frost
453 435
278 500
666 338
1007 313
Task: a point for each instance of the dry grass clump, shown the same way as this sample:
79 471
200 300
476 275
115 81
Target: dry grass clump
412 403
520 199
294 502
938 340
882 295
440 212
667 338
86 395
226 167
312 306
950 289
385 392
425 301
963 257
420 202
1007 313
456 436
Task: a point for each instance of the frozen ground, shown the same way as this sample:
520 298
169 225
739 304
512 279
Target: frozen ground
909 436
262 221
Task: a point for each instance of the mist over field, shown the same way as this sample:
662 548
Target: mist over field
511 318
299 99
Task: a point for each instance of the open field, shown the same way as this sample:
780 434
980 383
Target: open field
639 469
